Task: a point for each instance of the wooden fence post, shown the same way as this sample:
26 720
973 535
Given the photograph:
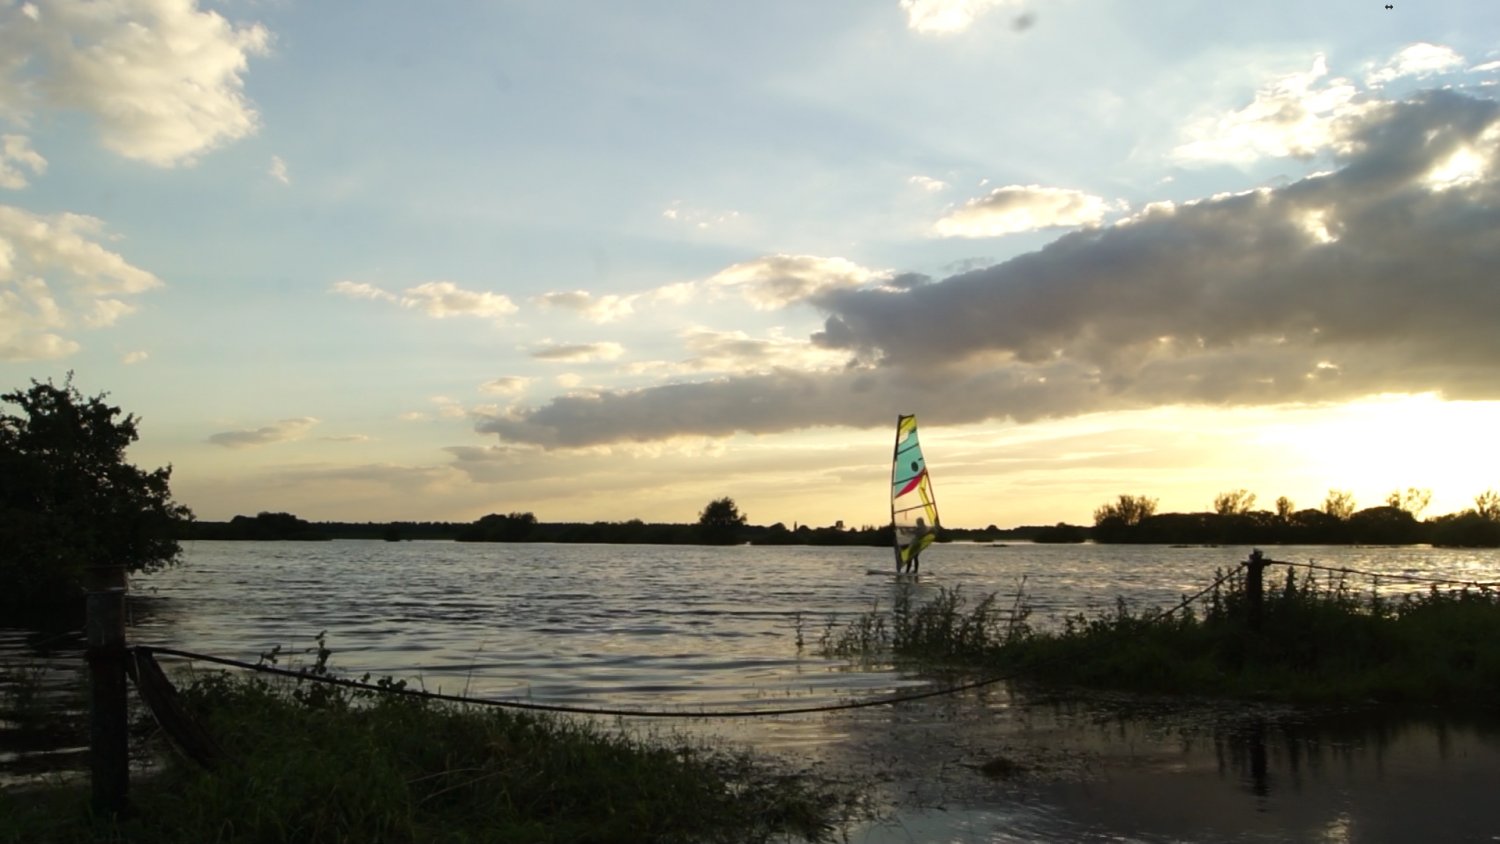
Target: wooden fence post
109 748
1255 589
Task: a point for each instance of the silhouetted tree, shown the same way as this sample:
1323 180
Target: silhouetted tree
69 500
720 521
1284 508
1129 509
511 527
1234 503
1413 500
1487 505
1339 504
1384 525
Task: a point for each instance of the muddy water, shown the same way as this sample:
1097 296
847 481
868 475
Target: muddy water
686 628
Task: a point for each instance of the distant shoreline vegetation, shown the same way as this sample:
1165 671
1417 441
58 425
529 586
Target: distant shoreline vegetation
1130 519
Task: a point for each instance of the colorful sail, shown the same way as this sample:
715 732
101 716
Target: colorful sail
914 515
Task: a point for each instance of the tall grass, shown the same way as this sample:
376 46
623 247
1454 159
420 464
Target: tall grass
942 629
1321 640
317 763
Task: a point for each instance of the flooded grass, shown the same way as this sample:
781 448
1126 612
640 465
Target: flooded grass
308 762
1320 641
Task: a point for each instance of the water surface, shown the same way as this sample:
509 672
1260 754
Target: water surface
684 628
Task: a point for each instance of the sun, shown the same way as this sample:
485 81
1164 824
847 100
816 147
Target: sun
1374 446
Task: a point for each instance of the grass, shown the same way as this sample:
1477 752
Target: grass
1321 641
317 763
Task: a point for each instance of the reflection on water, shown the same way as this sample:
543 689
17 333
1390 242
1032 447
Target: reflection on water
676 627
1100 771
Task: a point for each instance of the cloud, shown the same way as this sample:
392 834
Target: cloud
678 293
577 352
437 299
508 385
490 464
449 408
937 17
738 352
346 438
282 431
16 154
134 357
928 184
398 477
1023 208
1420 59
776 281
606 308
163 81
278 171
54 276
443 299
1368 279
1295 115
361 290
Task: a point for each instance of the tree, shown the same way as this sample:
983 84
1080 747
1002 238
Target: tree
70 502
1487 505
1285 508
1235 503
1128 509
720 521
1413 501
1339 504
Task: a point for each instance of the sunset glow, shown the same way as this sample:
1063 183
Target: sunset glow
605 262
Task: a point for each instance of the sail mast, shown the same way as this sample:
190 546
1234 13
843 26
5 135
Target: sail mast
895 458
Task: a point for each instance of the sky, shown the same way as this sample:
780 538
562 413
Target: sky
604 261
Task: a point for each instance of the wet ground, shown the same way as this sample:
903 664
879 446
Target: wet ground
996 767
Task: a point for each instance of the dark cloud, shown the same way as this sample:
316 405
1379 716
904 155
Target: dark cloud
1370 278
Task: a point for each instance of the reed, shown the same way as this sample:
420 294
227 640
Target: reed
312 763
1322 641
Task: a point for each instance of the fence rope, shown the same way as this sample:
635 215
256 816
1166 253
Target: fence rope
1409 578
1200 593
575 710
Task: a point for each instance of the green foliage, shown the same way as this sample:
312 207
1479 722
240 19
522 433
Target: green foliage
1320 641
319 763
69 500
944 630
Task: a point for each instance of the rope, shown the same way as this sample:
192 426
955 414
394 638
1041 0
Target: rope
1410 578
574 710
1200 593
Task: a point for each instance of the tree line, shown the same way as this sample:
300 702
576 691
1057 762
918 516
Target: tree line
72 507
1235 521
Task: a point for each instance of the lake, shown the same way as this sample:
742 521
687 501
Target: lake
686 628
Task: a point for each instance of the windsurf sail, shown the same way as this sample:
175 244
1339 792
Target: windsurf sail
914 515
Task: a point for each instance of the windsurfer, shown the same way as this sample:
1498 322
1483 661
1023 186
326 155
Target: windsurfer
914 565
